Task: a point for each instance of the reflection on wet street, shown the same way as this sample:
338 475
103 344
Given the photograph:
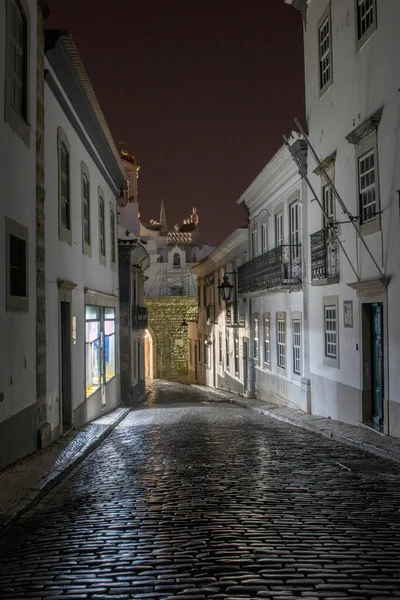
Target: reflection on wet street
196 498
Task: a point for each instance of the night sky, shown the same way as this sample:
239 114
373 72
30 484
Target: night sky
200 91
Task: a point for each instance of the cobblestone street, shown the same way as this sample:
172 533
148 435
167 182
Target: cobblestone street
195 498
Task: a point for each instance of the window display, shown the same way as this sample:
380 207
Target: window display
100 347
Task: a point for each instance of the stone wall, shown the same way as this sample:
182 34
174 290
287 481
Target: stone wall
165 315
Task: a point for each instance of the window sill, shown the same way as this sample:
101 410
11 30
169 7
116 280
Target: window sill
326 281
18 124
64 234
87 249
91 391
326 87
371 227
364 39
102 260
331 362
110 379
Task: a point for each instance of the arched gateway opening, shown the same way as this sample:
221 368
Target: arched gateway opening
148 355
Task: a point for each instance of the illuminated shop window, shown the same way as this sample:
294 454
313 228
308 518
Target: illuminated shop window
93 350
109 342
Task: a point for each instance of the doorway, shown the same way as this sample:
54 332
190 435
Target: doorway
195 361
373 361
66 370
245 374
148 355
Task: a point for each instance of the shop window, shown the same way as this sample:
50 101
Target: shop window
109 343
93 349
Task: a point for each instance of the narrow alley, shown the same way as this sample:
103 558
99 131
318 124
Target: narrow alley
193 498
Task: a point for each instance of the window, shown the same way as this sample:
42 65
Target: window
330 332
176 261
102 230
255 241
281 342
325 52
227 350
365 20
199 349
93 350
112 232
218 291
267 339
205 349
279 229
367 186
64 188
100 347
109 343
328 203
17 267
294 231
236 350
256 339
296 346
204 295
221 360
85 208
190 352
264 238
16 89
199 292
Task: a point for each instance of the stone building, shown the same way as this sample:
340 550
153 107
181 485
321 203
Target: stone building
83 178
22 310
218 352
352 104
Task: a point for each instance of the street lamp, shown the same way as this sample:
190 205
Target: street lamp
184 325
225 289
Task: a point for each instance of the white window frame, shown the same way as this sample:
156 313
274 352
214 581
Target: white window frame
267 339
13 302
254 240
361 17
220 349
64 232
325 51
281 340
366 188
256 338
295 230
86 244
113 243
227 361
328 203
296 337
236 355
279 229
264 238
17 119
102 226
330 328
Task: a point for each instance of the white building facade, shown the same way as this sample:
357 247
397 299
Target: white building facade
84 175
272 280
21 129
218 344
353 102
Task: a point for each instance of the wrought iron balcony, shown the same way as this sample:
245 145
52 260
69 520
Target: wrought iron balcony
210 313
139 317
279 268
324 257
234 317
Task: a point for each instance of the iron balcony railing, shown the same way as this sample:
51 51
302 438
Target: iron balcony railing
139 317
234 317
278 268
324 256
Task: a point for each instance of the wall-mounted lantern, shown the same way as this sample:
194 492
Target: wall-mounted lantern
184 325
225 289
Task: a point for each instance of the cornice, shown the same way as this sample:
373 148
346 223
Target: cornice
365 128
326 163
232 242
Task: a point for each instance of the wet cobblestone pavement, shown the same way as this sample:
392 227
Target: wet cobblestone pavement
190 499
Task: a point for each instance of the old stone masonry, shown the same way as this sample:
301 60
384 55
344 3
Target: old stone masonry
194 498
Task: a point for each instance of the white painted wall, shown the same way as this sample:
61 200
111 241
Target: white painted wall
363 81
18 202
67 262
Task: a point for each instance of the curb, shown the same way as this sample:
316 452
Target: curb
327 433
47 483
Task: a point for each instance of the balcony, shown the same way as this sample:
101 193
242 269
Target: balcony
139 317
324 257
234 317
210 314
277 269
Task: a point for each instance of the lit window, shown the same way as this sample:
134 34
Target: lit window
267 339
256 335
281 343
366 18
86 208
109 343
296 346
93 350
325 57
330 332
367 186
